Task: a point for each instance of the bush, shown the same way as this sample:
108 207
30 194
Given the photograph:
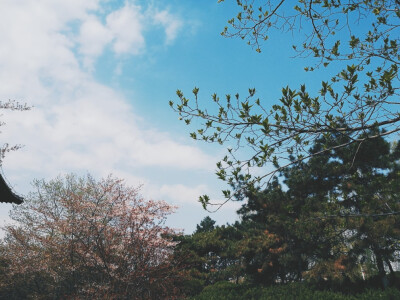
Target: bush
231 291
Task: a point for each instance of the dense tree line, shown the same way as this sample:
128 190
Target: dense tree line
332 220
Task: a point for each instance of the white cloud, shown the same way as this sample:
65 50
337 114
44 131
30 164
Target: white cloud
76 123
182 193
124 30
126 25
93 38
171 24
95 130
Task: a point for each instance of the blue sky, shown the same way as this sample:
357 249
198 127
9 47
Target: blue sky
99 75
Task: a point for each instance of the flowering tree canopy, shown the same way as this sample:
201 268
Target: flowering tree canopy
92 238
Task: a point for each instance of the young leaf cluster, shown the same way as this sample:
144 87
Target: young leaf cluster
359 37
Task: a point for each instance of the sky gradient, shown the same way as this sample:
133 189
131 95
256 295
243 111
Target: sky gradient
99 75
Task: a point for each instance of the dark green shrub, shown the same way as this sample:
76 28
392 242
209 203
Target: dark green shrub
224 291
298 291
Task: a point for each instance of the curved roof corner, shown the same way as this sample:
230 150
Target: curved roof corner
6 193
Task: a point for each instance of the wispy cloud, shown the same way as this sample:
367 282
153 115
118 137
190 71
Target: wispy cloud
126 25
172 25
124 31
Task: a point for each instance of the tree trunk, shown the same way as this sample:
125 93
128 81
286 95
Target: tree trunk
390 266
381 269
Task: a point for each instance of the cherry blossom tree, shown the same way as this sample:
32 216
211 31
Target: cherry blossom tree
92 239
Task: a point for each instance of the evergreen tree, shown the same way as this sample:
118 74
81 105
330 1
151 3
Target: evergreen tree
331 212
